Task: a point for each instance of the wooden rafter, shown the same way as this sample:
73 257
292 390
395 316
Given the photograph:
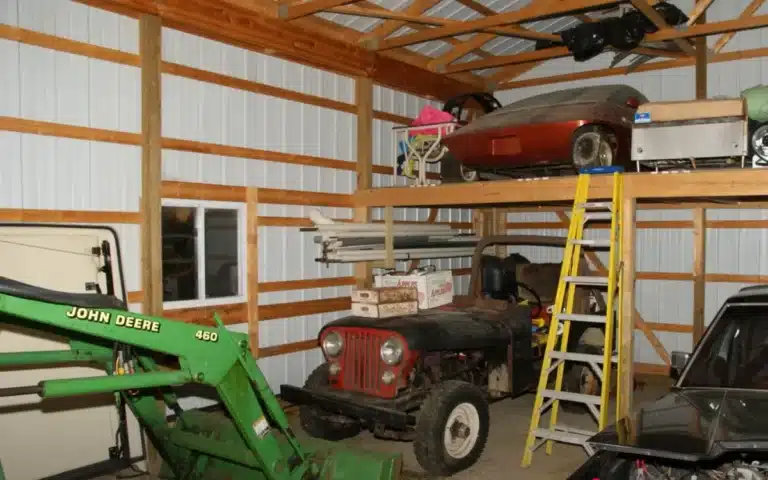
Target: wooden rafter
652 15
698 10
292 12
648 67
535 10
388 27
701 29
378 12
750 10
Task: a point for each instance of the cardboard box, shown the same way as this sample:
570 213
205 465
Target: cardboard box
652 112
376 296
434 288
385 310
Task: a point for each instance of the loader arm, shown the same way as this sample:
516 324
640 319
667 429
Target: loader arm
253 439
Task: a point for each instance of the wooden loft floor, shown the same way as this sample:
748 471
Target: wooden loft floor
733 185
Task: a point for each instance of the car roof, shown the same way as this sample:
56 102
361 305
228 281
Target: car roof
570 96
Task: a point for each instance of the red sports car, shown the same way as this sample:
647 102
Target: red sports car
552 133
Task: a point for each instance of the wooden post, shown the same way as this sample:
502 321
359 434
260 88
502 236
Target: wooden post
150 55
699 271
252 259
701 60
625 387
364 104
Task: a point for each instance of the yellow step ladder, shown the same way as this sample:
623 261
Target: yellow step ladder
556 354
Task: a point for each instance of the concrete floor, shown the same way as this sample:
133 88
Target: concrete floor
501 458
510 419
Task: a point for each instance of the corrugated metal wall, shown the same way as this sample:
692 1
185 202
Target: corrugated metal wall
729 251
49 173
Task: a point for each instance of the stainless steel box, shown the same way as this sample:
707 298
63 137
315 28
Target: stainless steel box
693 139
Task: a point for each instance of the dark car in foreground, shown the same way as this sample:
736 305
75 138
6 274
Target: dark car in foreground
713 424
551 133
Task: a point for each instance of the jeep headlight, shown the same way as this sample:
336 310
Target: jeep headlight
392 351
333 343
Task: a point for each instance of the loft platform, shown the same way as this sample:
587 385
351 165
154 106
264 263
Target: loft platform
732 184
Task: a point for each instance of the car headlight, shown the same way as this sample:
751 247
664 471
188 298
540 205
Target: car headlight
392 351
333 343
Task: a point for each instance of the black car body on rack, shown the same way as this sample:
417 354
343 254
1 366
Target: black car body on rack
713 424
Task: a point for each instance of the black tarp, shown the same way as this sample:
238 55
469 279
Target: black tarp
587 40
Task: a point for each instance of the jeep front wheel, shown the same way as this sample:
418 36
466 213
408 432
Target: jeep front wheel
452 428
319 423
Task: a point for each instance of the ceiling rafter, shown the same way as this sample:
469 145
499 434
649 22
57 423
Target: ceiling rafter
294 11
380 12
750 10
534 11
388 27
652 15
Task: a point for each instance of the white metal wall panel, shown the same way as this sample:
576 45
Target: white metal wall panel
49 173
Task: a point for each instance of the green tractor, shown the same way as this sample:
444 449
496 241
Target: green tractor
145 358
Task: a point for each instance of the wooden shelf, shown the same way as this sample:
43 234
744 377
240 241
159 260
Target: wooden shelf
735 184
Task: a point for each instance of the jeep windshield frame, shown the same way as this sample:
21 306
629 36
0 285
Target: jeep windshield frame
733 354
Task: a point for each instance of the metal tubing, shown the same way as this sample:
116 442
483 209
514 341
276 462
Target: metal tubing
19 391
17 359
111 383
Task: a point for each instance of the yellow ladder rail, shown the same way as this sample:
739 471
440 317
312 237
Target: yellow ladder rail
558 338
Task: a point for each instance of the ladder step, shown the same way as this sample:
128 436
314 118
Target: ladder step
592 243
597 216
580 357
581 317
572 397
588 280
563 435
588 205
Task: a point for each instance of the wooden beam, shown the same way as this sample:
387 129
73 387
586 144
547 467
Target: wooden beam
416 8
69 216
750 10
699 272
652 15
702 56
698 14
298 10
533 11
364 102
151 163
252 268
625 386
299 309
305 43
647 67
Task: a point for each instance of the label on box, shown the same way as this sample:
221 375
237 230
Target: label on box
385 295
643 117
434 289
385 310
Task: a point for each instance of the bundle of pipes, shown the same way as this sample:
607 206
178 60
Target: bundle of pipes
359 242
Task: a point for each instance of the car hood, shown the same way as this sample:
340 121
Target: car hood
448 327
692 425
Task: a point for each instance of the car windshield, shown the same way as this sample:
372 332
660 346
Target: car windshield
602 93
735 353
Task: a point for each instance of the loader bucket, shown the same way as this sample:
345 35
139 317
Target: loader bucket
330 460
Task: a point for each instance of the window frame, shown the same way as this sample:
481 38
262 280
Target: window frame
200 207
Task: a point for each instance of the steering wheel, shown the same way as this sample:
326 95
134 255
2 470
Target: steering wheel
537 305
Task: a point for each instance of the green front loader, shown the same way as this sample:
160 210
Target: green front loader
145 357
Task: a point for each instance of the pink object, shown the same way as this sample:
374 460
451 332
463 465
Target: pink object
430 115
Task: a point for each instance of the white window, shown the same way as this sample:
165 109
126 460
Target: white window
203 253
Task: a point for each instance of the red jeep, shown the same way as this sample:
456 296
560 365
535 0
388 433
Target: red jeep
429 377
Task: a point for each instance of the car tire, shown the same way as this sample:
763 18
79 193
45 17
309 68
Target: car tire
593 146
320 424
452 171
441 452
580 378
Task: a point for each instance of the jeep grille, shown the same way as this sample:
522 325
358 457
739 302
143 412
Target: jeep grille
362 366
